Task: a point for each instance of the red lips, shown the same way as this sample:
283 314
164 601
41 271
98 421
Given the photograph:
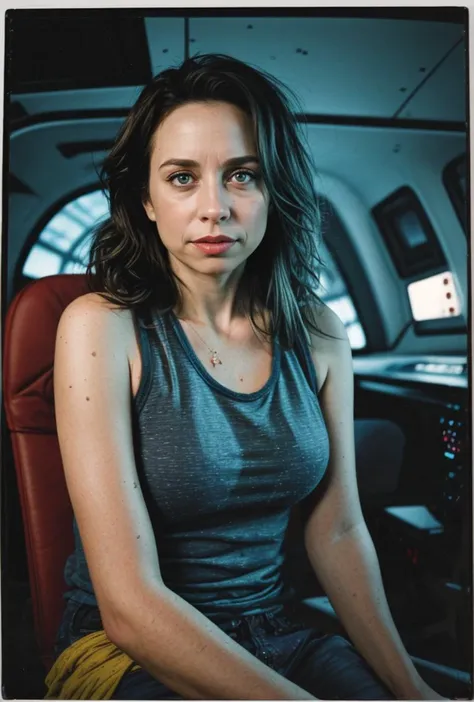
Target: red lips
220 239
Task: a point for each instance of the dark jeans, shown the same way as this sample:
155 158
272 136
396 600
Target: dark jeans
327 666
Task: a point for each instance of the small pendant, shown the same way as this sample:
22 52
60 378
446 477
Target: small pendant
215 360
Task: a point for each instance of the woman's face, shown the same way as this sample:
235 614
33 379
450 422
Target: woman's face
205 192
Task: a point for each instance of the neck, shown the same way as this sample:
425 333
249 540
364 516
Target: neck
209 300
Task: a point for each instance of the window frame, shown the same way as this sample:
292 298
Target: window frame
408 261
19 279
453 189
347 294
348 262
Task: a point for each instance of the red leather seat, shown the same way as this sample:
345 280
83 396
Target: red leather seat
30 333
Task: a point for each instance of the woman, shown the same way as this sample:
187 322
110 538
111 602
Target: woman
202 390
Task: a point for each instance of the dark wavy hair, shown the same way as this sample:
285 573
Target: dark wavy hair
129 264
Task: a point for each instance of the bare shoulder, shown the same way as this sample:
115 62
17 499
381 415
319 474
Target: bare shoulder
90 318
333 334
93 306
330 347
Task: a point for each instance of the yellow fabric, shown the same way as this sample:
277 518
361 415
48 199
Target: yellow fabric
89 669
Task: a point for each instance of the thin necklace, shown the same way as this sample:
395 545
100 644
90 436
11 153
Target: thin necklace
214 357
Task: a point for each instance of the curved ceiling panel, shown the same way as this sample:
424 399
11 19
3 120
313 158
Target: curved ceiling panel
444 94
337 66
166 41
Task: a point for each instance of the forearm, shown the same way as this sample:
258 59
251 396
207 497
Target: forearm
187 652
349 571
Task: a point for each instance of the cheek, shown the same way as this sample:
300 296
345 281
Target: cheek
250 205
170 215
259 214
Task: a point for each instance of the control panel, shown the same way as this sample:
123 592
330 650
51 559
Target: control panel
453 447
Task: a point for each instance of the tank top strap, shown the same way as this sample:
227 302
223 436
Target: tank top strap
144 329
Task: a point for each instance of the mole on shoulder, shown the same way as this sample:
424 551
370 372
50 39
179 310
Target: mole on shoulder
87 399
94 353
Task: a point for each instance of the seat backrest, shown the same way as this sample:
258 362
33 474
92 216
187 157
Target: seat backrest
29 342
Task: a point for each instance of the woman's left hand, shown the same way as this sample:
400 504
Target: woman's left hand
423 691
430 694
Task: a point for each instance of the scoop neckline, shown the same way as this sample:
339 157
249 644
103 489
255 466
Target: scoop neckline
210 380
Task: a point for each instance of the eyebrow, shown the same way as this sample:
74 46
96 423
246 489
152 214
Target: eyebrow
231 162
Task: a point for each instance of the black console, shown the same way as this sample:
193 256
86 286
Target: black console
454 459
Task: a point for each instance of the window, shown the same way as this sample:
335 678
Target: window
408 234
63 247
334 293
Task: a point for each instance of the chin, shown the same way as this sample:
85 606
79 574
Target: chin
217 266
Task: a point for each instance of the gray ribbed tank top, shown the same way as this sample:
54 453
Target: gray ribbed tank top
220 471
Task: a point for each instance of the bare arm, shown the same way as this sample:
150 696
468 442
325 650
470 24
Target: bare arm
337 540
164 634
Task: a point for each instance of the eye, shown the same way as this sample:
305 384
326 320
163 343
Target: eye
180 178
241 176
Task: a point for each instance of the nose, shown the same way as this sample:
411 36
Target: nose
213 202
